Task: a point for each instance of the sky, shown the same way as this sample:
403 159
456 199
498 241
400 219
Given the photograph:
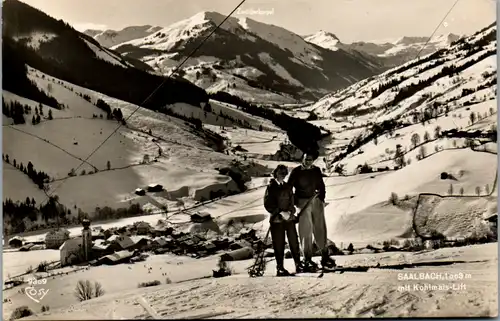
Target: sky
350 20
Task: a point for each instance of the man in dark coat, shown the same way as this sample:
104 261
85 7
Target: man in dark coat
278 201
309 197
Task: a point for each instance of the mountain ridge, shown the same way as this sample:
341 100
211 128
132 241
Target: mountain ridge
283 60
109 38
391 52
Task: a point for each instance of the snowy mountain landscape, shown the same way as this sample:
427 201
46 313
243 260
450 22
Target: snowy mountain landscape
263 63
408 153
110 38
390 52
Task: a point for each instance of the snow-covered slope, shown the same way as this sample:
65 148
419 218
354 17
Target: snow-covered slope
324 39
110 38
454 88
58 145
92 32
283 62
432 79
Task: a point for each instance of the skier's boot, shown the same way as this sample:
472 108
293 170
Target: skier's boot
282 272
327 263
310 266
299 267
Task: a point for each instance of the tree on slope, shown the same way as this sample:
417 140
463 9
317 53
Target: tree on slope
427 136
472 118
437 132
399 158
423 152
415 139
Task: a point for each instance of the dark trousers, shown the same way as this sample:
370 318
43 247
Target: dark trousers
278 231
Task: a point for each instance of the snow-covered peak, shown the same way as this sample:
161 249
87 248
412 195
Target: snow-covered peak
280 37
176 34
92 32
410 40
183 30
324 39
445 39
109 38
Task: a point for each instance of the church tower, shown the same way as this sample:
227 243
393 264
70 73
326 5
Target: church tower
87 239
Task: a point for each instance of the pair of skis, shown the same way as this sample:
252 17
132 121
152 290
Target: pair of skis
319 273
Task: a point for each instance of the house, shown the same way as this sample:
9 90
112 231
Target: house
140 192
155 188
16 241
97 229
120 242
159 242
246 233
203 223
99 236
116 258
101 248
143 228
71 251
140 242
54 239
200 217
162 231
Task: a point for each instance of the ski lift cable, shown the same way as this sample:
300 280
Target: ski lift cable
151 95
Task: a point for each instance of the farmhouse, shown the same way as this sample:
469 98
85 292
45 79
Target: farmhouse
54 239
120 242
97 229
155 188
205 227
101 248
143 228
162 230
116 258
159 242
99 236
16 241
200 217
140 242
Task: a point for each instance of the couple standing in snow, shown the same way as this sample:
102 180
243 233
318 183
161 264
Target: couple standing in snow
309 197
